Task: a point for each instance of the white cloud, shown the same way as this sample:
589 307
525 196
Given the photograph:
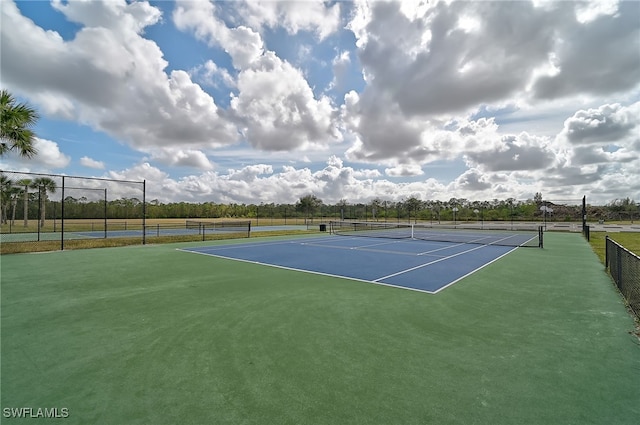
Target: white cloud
604 125
428 64
110 77
587 11
243 44
597 57
250 172
114 15
341 63
472 180
277 109
48 159
424 65
211 74
404 170
294 16
85 161
49 154
189 158
512 153
602 144
492 86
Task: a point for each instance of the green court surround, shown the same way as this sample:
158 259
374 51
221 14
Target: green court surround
152 335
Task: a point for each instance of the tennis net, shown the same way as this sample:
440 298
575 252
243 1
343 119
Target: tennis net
525 235
219 226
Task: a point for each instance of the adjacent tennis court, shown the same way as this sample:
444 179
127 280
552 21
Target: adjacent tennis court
190 228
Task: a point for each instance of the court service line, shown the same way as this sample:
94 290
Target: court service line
368 248
440 249
387 242
365 249
250 245
307 271
473 271
428 264
428 253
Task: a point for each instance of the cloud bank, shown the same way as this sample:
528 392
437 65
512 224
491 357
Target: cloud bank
355 101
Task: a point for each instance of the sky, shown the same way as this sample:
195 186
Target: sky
270 101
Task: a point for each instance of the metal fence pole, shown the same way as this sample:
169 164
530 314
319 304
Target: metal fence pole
105 213
62 219
144 210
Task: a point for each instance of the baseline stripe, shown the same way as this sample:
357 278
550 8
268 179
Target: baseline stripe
307 271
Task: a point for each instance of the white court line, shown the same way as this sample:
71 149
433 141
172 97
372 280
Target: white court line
473 271
428 264
430 252
307 271
320 242
440 249
376 281
383 251
250 244
481 240
388 242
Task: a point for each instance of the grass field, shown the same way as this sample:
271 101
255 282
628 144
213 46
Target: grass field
148 334
630 240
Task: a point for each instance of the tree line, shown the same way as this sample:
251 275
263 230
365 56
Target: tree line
18 208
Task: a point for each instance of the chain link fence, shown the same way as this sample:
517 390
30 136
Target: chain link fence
41 212
624 267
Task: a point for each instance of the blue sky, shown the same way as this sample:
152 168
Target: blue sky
270 101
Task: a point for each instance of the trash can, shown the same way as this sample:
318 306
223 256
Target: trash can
323 227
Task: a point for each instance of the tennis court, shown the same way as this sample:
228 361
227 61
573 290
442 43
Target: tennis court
152 334
95 234
406 263
192 228
418 257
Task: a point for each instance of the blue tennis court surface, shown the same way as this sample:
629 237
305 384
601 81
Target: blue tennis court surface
411 264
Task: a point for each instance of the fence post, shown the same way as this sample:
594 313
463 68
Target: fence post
105 213
586 232
619 266
39 210
144 210
62 218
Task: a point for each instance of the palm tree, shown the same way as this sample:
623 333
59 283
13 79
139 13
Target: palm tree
25 183
15 193
44 185
16 120
5 188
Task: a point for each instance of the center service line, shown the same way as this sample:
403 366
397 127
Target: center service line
427 264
